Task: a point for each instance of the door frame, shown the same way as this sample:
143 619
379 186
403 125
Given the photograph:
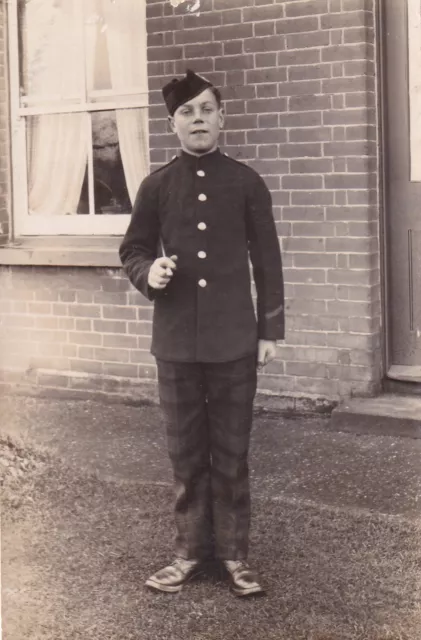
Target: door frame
393 381
381 29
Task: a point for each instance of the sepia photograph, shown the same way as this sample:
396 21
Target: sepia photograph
210 319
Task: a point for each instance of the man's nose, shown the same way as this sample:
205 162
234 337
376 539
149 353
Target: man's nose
198 116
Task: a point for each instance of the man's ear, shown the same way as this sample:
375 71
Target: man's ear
171 123
221 118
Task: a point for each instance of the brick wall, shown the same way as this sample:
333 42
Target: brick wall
299 83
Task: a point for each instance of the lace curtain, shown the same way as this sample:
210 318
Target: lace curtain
58 143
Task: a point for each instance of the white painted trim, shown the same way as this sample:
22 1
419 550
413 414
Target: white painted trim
78 225
48 109
60 225
414 77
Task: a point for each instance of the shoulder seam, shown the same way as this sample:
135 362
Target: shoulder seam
164 166
242 164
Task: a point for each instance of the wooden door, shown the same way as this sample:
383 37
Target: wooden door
402 52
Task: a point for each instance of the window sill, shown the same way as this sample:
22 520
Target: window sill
63 251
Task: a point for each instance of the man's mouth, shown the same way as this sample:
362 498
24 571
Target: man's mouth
199 131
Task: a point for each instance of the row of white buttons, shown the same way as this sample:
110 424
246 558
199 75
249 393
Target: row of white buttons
202 226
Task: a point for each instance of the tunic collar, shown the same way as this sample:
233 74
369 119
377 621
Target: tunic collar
200 162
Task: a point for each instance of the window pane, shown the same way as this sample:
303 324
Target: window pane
57 153
115 45
111 194
50 38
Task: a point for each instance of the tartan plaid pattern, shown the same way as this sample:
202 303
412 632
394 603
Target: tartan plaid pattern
208 409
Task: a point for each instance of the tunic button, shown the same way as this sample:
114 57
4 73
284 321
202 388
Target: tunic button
202 254
202 283
201 173
202 197
201 226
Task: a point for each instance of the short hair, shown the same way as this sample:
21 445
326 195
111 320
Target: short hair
217 95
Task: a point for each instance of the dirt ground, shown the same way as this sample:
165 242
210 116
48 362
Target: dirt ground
76 549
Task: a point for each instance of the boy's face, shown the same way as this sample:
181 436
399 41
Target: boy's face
197 123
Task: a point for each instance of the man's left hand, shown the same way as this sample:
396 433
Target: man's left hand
266 352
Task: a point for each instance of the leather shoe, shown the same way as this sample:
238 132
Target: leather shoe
172 578
244 581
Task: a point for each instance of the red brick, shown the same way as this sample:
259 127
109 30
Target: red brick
305 275
302 182
310 134
266 105
245 61
268 151
258 14
209 49
232 32
77 337
266 75
355 148
229 4
359 68
306 40
345 20
347 181
311 165
165 53
302 56
207 19
345 52
264 29
242 122
270 120
309 72
121 370
309 103
140 328
297 25
306 119
232 48
312 198
231 17
39 308
169 23
293 9
359 34
343 85
362 99
345 116
267 43
265 60
303 213
270 167
267 91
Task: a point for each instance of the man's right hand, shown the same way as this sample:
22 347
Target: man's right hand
161 272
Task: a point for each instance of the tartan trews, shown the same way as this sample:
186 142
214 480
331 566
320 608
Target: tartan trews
208 409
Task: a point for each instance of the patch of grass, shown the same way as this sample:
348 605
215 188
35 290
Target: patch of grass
76 554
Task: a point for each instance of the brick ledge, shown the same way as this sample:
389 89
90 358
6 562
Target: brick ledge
82 386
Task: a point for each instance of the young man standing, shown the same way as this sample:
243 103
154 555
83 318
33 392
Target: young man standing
195 223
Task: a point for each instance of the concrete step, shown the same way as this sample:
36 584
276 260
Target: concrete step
388 414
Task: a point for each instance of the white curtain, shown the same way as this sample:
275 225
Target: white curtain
57 150
126 39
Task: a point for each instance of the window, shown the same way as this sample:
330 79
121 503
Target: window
79 114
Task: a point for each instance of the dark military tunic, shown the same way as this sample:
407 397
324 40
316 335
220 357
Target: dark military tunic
213 213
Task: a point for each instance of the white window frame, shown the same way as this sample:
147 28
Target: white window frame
414 77
25 224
